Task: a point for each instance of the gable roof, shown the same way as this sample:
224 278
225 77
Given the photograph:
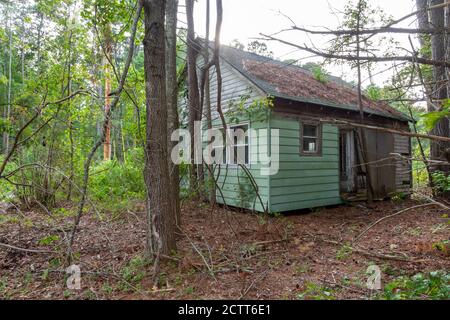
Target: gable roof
292 82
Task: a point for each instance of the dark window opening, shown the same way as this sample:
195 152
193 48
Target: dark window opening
240 145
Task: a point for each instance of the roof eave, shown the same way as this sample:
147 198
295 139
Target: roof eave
337 106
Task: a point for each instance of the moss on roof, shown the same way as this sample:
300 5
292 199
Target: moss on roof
298 84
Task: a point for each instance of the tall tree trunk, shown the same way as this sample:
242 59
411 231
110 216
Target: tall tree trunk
119 152
207 99
447 46
193 49
4 68
422 19
438 50
362 132
172 99
70 127
7 110
108 51
39 40
161 231
8 113
424 40
22 49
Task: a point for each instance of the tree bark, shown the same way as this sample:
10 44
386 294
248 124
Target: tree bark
108 51
442 128
70 124
423 22
172 105
362 132
422 19
193 49
161 232
7 114
207 99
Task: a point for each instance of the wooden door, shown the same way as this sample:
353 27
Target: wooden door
382 166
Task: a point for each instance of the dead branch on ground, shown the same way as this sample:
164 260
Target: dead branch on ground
8 246
256 280
393 215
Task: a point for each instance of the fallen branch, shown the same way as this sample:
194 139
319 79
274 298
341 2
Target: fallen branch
370 254
211 271
112 275
25 250
443 206
264 254
336 284
393 215
261 243
259 278
382 256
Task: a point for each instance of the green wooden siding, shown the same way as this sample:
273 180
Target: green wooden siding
304 181
236 186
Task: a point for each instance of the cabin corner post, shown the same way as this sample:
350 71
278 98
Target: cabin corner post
269 177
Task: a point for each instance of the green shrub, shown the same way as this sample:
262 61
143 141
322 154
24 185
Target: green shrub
313 291
7 190
112 182
441 182
134 271
434 285
48 240
399 196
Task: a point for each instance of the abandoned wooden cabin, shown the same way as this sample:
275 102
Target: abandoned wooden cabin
319 162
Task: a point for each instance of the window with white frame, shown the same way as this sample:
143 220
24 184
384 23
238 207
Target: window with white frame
238 150
220 149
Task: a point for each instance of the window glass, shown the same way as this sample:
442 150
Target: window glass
310 138
309 130
309 144
240 145
218 150
238 151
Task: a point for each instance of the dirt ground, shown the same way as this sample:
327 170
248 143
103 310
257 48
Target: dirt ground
223 254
